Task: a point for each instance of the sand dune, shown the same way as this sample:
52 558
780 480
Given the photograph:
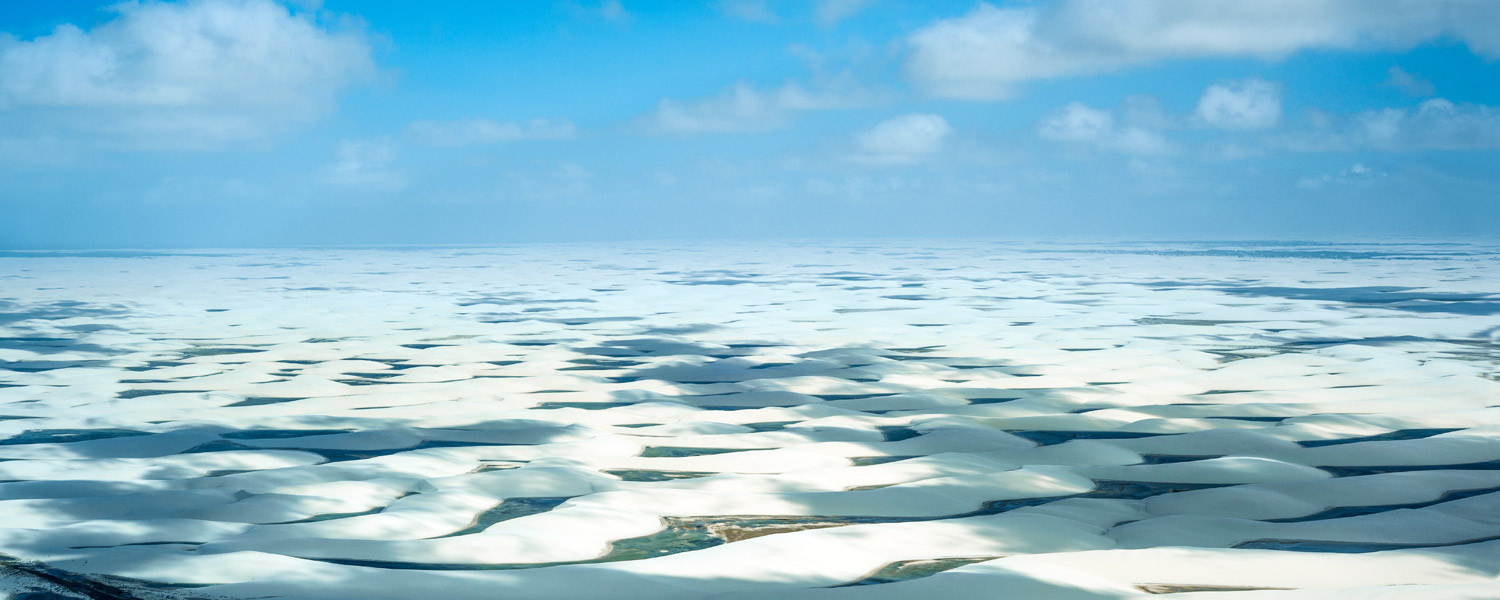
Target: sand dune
881 419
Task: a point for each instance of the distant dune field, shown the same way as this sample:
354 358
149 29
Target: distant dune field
878 419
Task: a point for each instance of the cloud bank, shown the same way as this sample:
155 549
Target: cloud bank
202 73
988 53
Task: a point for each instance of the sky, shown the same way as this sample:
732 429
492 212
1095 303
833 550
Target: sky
232 123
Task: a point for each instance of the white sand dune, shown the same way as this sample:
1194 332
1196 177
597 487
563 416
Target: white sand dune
884 420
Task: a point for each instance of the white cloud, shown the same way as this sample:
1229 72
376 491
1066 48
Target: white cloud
1356 174
1078 123
1437 125
985 54
1248 104
469 132
743 109
364 163
198 74
902 139
830 12
754 11
1240 105
1409 83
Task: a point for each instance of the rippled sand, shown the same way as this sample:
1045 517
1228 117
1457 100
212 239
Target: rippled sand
881 420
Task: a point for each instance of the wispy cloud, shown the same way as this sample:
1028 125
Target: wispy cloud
987 53
470 132
754 11
545 181
609 10
1406 82
830 12
613 10
1358 173
742 108
364 163
1436 124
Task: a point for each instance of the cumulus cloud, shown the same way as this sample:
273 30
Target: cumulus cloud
742 108
1248 104
197 74
1081 124
903 139
1236 105
985 54
470 132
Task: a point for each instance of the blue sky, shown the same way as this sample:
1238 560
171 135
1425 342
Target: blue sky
250 122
